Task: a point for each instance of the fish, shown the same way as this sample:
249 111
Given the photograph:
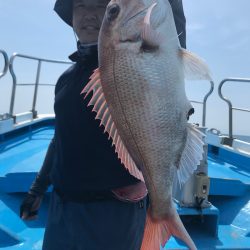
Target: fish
138 94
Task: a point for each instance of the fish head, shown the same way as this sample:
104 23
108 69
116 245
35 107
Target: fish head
125 24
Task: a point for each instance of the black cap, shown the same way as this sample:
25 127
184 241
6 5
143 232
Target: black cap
64 10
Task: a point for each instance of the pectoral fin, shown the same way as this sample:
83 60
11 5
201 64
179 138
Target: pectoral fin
191 155
194 67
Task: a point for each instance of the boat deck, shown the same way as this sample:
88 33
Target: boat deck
224 226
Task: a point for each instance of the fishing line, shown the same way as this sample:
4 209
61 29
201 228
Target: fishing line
75 35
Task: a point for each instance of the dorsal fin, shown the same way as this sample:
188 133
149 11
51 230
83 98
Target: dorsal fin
101 108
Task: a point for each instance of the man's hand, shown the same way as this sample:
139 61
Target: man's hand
30 206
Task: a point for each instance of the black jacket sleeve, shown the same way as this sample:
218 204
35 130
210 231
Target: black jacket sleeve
42 180
180 20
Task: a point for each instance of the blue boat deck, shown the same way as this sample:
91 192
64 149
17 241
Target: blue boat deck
21 156
229 176
22 153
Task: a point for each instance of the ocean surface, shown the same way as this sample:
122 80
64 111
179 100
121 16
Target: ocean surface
243 138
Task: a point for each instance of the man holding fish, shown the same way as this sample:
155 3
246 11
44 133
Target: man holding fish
100 200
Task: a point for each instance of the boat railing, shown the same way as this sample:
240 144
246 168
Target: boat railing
6 63
204 103
37 83
229 140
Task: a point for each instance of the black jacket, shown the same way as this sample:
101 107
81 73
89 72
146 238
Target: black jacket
83 157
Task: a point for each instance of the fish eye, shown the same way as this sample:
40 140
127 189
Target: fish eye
113 11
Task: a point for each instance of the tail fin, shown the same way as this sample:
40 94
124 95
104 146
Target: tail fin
157 233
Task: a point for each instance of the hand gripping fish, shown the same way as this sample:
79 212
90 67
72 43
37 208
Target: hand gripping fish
139 96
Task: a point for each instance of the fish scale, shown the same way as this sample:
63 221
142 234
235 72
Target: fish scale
141 109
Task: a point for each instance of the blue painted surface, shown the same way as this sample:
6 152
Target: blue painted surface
237 160
207 218
22 153
21 157
228 178
17 233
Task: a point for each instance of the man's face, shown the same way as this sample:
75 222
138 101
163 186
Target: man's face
87 18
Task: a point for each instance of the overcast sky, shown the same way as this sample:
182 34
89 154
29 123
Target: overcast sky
217 30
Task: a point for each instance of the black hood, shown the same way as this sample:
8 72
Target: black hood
64 10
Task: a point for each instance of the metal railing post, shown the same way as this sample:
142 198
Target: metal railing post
14 81
37 83
204 103
34 112
228 141
6 63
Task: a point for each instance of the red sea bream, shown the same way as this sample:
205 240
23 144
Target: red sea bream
139 96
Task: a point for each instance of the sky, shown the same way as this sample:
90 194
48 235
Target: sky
217 30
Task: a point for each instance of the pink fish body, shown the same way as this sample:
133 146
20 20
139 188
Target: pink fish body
139 96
